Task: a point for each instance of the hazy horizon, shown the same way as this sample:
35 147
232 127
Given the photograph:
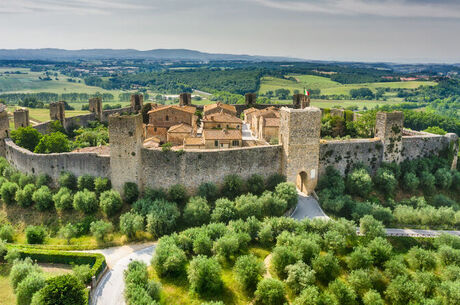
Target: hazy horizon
399 31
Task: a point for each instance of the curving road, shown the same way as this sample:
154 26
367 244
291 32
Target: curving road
308 207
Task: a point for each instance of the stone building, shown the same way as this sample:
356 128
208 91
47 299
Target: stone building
185 99
225 138
268 129
95 106
260 127
301 101
221 120
21 118
218 108
137 101
389 128
177 133
163 118
57 112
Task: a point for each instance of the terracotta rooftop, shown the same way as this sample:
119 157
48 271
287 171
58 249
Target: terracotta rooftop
250 110
181 128
217 134
222 117
193 141
230 108
189 109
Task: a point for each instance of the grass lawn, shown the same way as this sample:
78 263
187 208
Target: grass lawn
43 115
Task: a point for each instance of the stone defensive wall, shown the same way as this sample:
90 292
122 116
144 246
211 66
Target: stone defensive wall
53 164
191 168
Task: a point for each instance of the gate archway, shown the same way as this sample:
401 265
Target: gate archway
302 182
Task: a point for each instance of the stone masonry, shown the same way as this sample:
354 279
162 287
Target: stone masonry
250 99
21 118
57 112
137 101
95 106
389 127
185 99
300 101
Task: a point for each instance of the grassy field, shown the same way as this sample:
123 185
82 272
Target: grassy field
329 87
43 115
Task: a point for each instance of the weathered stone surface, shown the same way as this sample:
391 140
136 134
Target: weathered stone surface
21 118
57 112
389 128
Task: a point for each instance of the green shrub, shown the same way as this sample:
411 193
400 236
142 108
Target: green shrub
440 200
270 292
68 180
274 180
309 296
43 198
162 218
204 275
12 255
359 182
272 205
25 180
360 258
232 186
444 239
35 234
28 286
202 243
248 205
138 295
385 181
456 181
421 259
427 182
326 267
380 249
24 197
55 142
85 182
226 247
288 192
27 137
8 192
402 291
100 229
3 251
168 260
68 232
130 223
249 271
155 194
333 181
6 232
209 191
154 290
136 273
255 184
372 297
20 270
83 273
63 200
43 179
299 277
224 211
410 182
178 194
443 178
343 293
110 202
371 227
283 256
102 185
130 192
85 201
196 212
63 290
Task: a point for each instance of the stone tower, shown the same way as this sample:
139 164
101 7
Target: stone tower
4 128
299 135
137 101
250 99
126 141
300 101
57 112
389 128
185 99
95 106
21 118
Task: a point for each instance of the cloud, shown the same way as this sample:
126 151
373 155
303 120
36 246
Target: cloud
385 8
69 6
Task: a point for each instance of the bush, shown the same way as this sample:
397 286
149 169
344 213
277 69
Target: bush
68 232
359 182
130 223
270 292
360 280
202 243
168 260
333 181
27 137
83 273
224 211
155 194
85 201
6 232
110 202
3 251
136 273
248 205
402 291
410 182
232 187
288 192
255 184
20 270
55 142
371 227
28 286
299 277
100 229
226 247
309 296
24 197
178 194
68 180
421 259
12 255
441 200
196 212
35 234
443 178
138 295
162 218
456 181
43 198
372 297
43 179
360 258
63 290
209 191
63 200
272 205
274 180
380 250
8 192
204 275
343 293
25 180
86 182
130 192
248 271
282 256
385 181
101 185
427 182
326 267
444 239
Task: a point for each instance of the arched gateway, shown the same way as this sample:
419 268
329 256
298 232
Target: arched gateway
302 182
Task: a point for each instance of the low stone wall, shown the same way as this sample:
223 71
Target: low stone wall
80 120
107 113
343 155
53 164
423 146
191 168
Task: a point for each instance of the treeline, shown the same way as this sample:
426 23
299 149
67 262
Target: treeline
48 97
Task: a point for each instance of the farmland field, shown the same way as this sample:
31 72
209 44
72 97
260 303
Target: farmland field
43 115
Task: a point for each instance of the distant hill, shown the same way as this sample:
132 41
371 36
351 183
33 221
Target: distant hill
99 54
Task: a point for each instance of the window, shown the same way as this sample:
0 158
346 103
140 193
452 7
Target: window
237 126
228 127
218 126
235 143
216 143
167 118
155 129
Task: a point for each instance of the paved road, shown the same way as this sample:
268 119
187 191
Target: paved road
247 135
308 207
111 286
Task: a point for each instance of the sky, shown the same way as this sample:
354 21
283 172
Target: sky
342 30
